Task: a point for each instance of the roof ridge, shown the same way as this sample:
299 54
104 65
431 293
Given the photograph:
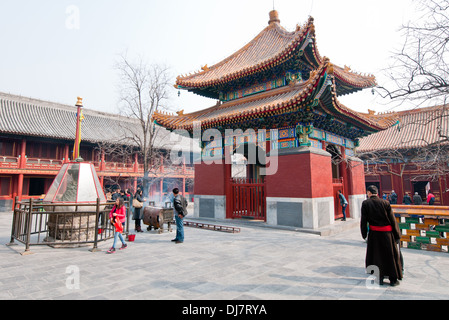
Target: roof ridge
51 104
225 60
422 109
281 31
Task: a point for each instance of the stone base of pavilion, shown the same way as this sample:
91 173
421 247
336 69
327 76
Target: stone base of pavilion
299 195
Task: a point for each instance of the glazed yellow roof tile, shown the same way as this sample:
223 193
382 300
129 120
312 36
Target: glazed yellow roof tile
271 46
414 129
271 102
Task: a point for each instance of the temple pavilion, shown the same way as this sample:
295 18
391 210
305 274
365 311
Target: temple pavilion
278 96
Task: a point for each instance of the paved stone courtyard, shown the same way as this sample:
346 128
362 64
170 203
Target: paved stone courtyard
257 263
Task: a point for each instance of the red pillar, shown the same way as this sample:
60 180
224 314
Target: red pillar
22 163
66 153
161 186
184 186
20 186
102 163
136 163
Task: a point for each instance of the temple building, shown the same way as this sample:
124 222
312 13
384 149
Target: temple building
277 107
37 139
411 156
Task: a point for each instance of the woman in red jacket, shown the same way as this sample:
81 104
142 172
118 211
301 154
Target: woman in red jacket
118 212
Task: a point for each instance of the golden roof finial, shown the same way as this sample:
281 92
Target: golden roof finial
79 103
274 17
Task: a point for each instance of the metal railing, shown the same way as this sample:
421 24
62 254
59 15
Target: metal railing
62 225
8 162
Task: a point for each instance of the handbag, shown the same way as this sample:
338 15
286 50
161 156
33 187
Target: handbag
118 225
137 204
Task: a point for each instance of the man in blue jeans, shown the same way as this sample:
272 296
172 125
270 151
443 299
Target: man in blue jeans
343 203
180 211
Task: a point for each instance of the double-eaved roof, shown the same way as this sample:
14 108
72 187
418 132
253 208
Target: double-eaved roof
276 50
271 47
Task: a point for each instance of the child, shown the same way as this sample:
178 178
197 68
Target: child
118 212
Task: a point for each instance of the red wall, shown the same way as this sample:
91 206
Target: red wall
356 178
209 179
304 175
321 169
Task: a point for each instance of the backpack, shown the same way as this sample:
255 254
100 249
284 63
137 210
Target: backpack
184 203
181 202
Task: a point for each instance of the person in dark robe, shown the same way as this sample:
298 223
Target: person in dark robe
382 249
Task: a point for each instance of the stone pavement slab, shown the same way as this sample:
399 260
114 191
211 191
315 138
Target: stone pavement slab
257 263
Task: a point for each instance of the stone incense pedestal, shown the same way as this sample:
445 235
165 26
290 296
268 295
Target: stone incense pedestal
74 194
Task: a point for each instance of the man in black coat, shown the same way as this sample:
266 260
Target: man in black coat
417 200
393 197
407 199
180 211
382 250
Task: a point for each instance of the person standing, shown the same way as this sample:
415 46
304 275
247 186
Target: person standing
407 200
393 197
138 211
344 204
116 194
118 212
180 211
382 250
417 200
108 195
430 198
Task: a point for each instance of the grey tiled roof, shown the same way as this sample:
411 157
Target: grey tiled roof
37 118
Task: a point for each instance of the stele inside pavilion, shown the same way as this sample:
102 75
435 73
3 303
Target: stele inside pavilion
278 96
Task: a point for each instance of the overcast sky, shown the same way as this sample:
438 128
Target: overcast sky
58 50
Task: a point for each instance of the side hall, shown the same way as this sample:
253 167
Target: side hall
37 138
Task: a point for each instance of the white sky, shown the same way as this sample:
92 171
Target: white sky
42 57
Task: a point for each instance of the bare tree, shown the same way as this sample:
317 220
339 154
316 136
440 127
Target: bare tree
421 145
420 71
419 77
144 90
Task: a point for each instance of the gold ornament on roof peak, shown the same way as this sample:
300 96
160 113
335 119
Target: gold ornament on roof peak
79 103
274 17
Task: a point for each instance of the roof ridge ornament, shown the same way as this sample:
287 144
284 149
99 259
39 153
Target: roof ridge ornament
274 17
